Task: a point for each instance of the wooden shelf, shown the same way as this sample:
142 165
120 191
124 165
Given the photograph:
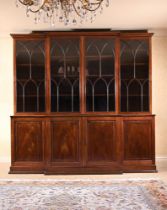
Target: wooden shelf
96 57
35 80
67 76
135 79
61 57
65 95
25 64
98 76
132 64
21 96
134 96
96 95
100 95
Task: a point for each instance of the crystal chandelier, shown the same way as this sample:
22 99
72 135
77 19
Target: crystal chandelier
67 11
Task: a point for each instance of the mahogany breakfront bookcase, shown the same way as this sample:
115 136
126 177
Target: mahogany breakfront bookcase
82 103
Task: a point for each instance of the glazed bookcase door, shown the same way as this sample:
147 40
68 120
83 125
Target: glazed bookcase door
134 73
30 76
100 74
65 71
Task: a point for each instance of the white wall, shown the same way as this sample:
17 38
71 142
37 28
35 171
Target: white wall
159 79
6 95
159 93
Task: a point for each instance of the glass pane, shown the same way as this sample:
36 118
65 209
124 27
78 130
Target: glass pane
30 75
134 76
65 75
100 74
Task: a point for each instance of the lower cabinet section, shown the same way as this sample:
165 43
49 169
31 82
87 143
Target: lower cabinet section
27 145
101 141
64 145
102 144
139 144
82 145
65 141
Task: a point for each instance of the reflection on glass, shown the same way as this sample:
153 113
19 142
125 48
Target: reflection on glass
65 75
30 75
100 74
134 76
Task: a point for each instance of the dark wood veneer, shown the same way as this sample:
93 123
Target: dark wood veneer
28 146
65 140
101 141
134 131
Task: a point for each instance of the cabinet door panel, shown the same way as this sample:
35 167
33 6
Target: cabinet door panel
100 74
134 75
30 75
65 140
101 141
28 141
65 74
137 139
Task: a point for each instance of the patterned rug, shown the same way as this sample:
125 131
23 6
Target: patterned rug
83 195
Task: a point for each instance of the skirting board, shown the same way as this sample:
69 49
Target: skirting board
8 159
5 159
161 158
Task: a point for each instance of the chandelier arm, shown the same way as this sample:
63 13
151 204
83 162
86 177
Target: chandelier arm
92 10
35 11
99 0
76 10
31 10
25 3
41 7
97 3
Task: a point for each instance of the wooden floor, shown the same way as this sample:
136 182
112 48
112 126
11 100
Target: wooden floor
161 166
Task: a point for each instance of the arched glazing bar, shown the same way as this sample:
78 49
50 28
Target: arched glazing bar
30 76
65 67
100 74
134 67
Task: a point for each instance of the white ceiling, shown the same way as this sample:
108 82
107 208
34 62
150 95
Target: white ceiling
122 14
